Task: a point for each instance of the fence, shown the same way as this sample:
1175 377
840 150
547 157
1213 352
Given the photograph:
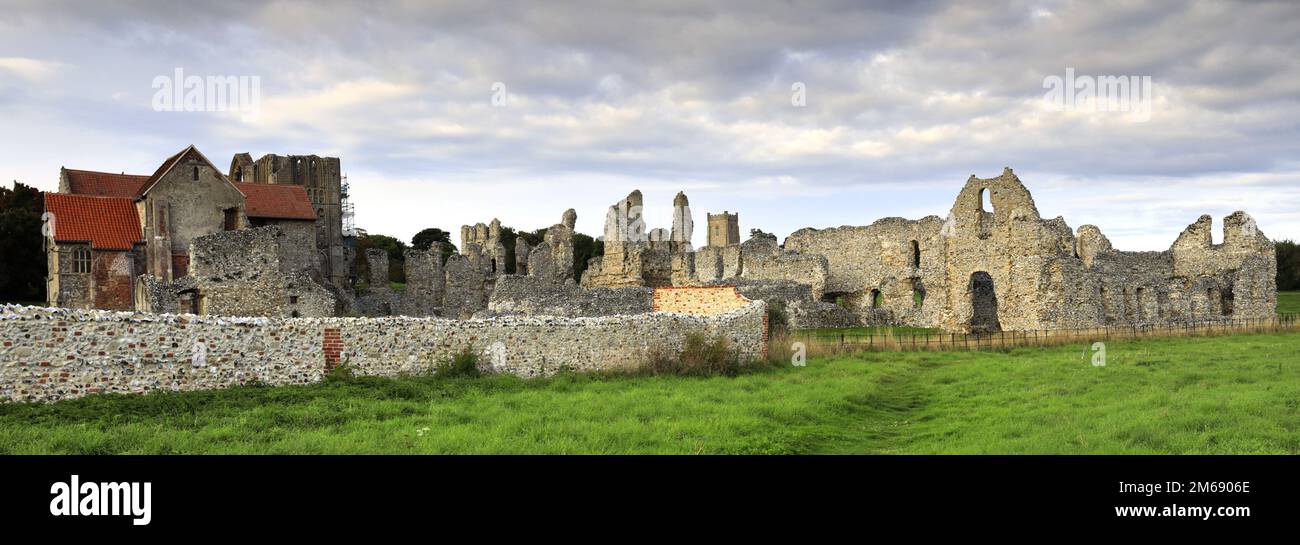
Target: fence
850 340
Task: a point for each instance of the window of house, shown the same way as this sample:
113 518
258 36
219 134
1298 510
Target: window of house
195 174
80 260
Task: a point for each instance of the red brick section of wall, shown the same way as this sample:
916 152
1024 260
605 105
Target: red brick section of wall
113 283
333 348
698 300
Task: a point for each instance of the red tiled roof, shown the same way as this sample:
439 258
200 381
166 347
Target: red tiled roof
107 223
276 201
104 184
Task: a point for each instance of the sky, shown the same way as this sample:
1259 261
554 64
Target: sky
809 114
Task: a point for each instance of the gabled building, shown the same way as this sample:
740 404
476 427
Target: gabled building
110 229
94 249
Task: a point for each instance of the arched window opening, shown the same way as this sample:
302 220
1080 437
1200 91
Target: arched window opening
877 300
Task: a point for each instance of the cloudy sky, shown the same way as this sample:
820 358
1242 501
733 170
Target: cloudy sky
901 102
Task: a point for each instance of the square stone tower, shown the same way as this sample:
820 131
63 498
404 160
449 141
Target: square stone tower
724 229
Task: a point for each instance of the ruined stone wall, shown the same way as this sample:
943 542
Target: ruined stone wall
239 273
425 282
53 354
994 263
760 258
466 286
534 296
322 178
297 248
377 298
888 268
637 256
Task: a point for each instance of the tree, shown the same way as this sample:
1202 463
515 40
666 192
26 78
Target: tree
1288 265
584 248
23 266
425 239
396 256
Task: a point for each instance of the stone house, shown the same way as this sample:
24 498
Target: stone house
110 229
95 250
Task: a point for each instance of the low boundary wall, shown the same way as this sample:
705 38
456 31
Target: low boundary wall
50 354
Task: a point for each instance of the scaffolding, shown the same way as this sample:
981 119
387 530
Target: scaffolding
349 210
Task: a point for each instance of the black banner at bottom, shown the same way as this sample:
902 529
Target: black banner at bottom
130 495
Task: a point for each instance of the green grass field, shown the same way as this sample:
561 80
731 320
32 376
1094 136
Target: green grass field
1236 394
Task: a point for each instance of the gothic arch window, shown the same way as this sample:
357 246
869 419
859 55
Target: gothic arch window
80 260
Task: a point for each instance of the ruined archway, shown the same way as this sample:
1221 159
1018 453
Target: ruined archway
984 304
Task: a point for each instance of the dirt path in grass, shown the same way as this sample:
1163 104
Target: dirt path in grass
881 418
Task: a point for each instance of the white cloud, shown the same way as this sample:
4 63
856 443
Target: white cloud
903 102
30 69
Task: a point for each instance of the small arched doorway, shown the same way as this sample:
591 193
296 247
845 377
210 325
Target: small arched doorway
984 304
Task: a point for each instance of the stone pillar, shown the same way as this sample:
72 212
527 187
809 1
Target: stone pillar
378 261
521 256
683 225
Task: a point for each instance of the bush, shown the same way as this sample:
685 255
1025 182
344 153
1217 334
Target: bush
699 357
463 364
342 373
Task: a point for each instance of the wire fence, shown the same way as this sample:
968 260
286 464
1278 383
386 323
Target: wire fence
887 340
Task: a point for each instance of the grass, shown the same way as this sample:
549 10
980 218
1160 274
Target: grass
1232 394
1288 301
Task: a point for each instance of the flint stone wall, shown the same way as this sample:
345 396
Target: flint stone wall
49 354
538 296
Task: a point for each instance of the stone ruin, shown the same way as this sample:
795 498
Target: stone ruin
246 272
992 264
